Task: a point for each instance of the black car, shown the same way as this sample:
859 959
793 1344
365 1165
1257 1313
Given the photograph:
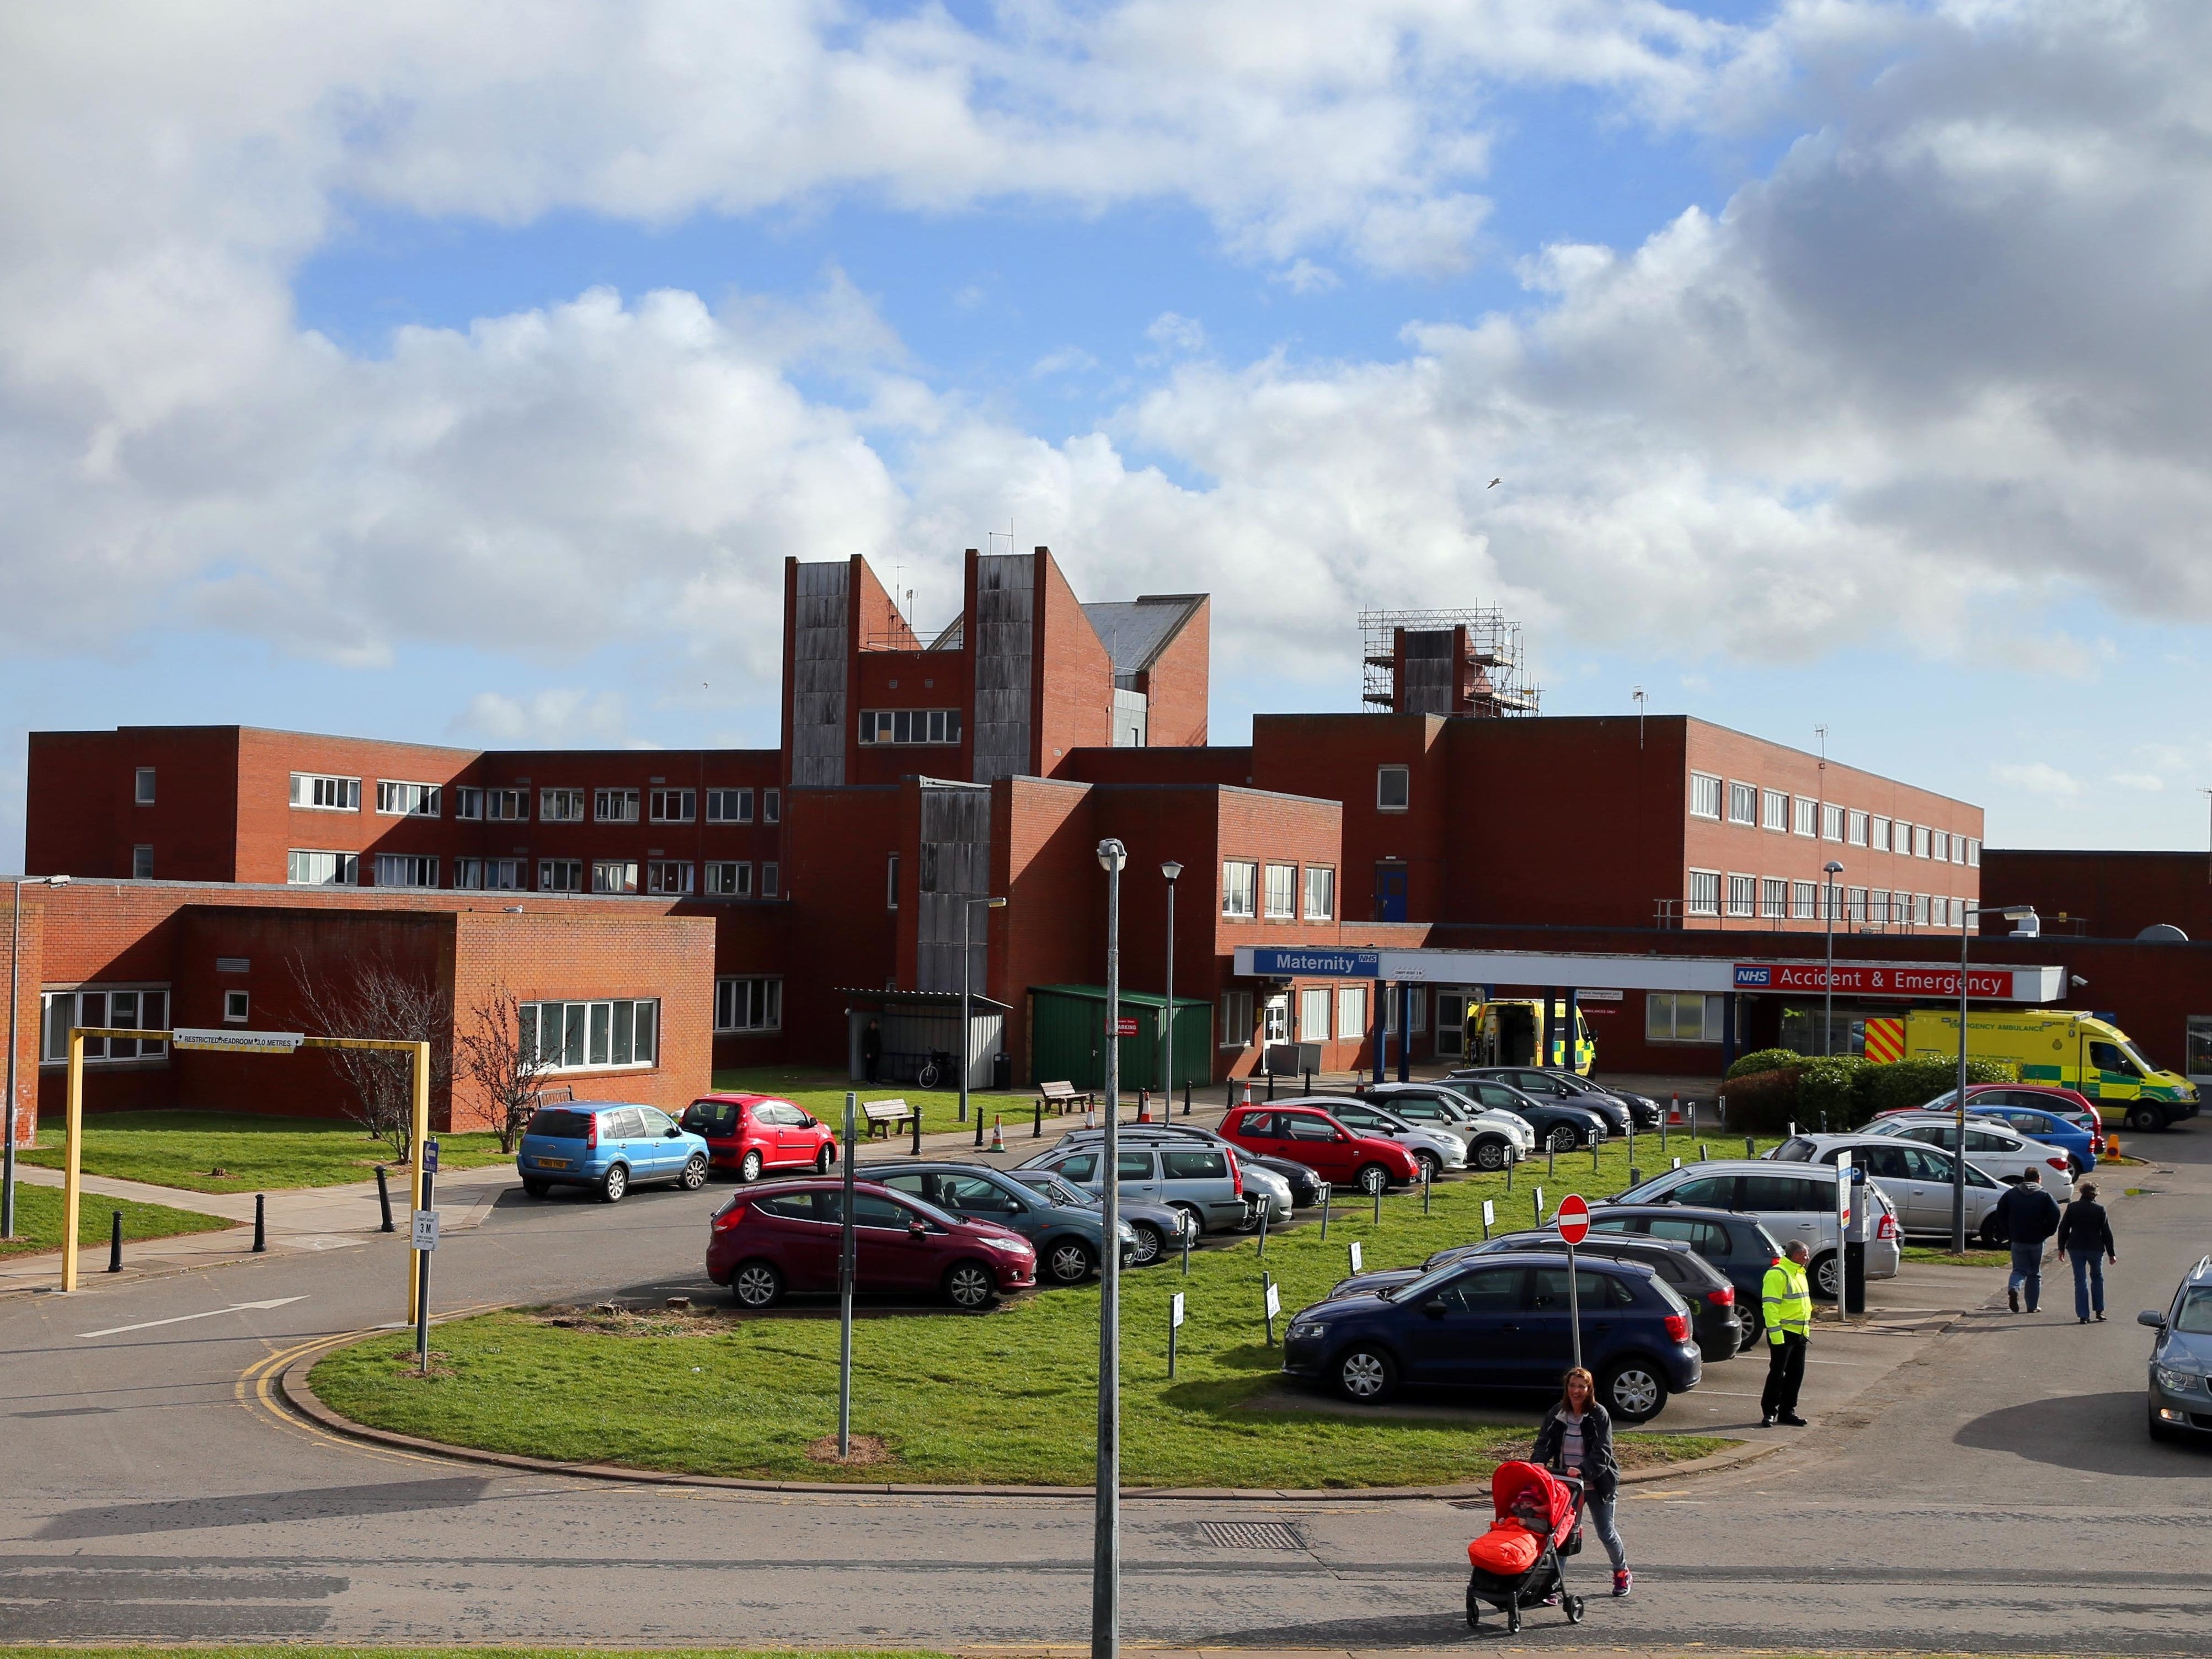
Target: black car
1553 1087
1645 1110
1558 1125
1733 1242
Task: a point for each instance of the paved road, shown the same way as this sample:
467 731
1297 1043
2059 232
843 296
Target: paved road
1996 1493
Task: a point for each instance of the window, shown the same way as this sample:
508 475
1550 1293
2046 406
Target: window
410 800
1855 904
614 875
134 1007
1393 788
1282 892
1705 898
1774 811
142 864
318 794
771 806
1742 895
725 879
574 1036
1321 893
1920 908
890 882
405 870
1236 1019
235 1004
1420 1000
1774 899
507 805
667 876
672 806
308 869
1682 1017
1939 845
729 807
1807 816
614 806
1275 1020
1879 839
468 803
144 795
559 875
748 1005
488 875
1920 839
1351 1011
771 876
1973 853
1239 881
1878 905
1804 900
1743 803
1831 821
560 805
1313 1013
909 726
1855 828
1957 849
1704 796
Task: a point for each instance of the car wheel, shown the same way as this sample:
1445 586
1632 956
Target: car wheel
1366 1375
1249 1223
1372 1178
1194 1220
1068 1262
825 1160
1563 1139
695 1173
2146 1117
2075 1168
1432 1167
968 1285
1633 1391
1490 1155
614 1183
1150 1243
1991 1236
537 1188
756 1284
1826 1278
749 1167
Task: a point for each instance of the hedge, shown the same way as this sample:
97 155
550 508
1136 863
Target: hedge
1764 1060
1848 1091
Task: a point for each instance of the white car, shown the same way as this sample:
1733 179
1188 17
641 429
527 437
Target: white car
1917 1179
1434 1144
1792 1201
1494 1137
2002 1151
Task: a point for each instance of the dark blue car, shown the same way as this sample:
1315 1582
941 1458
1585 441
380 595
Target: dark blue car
1484 1322
2180 1359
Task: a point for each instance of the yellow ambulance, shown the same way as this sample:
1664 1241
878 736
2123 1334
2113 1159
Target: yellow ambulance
2045 1045
1508 1031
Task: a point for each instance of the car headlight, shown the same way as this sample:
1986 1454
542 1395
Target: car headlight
1011 1245
2181 1382
1305 1332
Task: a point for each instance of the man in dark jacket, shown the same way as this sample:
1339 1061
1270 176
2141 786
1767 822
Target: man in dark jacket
2027 1215
2085 1238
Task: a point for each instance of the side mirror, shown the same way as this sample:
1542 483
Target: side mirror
670 1132
2154 1320
914 1229
810 1123
1433 1309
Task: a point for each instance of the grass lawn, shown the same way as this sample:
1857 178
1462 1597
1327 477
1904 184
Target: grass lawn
1005 1397
39 1220
1943 1257
255 1153
824 1094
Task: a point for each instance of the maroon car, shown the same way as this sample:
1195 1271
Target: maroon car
749 1133
784 1236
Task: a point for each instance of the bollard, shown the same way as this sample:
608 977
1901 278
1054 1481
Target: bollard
1750 1149
1328 1202
260 1225
1551 1160
1379 1204
1308 1088
1593 1157
1271 1085
1536 1205
1693 1120
1509 1173
1662 1132
1635 1176
1702 1153
384 1198
1037 1119
1186 1097
1266 1211
1189 1227
1424 1186
115 1243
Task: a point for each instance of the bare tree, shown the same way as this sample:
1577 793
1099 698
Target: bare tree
371 997
490 1054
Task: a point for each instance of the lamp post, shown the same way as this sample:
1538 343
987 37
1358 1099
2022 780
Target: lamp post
967 909
1832 869
15 996
2026 916
1170 869
1106 1542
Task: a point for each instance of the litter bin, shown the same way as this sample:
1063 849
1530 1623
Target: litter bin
1002 1072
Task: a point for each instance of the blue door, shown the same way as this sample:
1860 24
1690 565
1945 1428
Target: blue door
1389 892
1461 1330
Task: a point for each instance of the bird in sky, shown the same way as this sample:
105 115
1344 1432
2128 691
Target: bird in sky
1494 484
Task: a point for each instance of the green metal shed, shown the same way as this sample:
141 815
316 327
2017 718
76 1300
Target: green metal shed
1068 1038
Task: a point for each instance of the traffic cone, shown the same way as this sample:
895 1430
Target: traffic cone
998 1139
1143 1105
1089 1117
2111 1144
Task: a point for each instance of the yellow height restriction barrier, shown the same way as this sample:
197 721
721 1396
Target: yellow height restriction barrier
229 1041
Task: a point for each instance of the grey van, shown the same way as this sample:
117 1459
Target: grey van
1200 1180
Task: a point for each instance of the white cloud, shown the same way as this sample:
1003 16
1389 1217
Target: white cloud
1068 360
1175 333
565 717
1303 276
2039 778
2150 781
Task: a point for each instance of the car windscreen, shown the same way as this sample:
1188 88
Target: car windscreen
1414 1290
710 1116
2193 1316
560 1125
1056 1191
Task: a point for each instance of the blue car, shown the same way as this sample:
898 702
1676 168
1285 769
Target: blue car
1482 1321
610 1147
2181 1358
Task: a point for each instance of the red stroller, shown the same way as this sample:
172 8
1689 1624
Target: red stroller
1517 1564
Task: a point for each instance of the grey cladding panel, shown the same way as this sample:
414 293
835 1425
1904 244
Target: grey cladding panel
1426 685
956 866
1005 635
821 639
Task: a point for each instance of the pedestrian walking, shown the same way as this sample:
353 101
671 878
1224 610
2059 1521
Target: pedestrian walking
2027 1216
2085 1238
1576 1440
1786 1303
871 1049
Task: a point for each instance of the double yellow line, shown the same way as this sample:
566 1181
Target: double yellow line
256 1388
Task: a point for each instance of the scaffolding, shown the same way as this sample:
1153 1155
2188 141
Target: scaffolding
1488 680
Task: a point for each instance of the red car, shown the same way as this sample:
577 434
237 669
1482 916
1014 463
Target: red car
785 1236
1308 1135
752 1133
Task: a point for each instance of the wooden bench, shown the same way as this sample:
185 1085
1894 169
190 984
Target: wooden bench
886 1116
1064 1096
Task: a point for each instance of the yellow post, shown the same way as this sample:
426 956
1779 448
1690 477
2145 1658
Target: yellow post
74 1143
420 1133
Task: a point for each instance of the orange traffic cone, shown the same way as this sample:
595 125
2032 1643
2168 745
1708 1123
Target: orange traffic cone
1143 1105
1089 1117
998 1138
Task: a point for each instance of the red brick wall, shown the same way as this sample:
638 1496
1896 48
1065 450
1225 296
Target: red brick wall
1072 675
910 679
1336 756
1178 766
841 933
2104 894
269 826
1044 853
30 928
1177 685
82 817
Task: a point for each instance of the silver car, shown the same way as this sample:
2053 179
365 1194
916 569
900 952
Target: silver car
1494 1137
1917 1179
1995 1148
1201 1181
1792 1202
1433 1143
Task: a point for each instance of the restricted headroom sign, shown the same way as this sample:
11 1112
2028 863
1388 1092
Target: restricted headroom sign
219 1041
426 1229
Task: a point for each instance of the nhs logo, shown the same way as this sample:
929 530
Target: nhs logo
1751 977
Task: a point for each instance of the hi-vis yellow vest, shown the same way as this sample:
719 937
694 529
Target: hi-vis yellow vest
1787 1299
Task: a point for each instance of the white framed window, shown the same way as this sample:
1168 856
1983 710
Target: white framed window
771 806
1240 881
1321 893
1880 838
1939 845
405 870
142 864
614 806
1282 892
909 726
468 803
488 875
1420 1010
236 1006
1704 894
1831 821
1275 1019
1313 1013
1805 816
1743 803
749 1005
1804 900
507 805
1236 1019
1351 1012
672 806
559 875
1973 853
1704 796
560 806
1774 899
395 799
726 878
729 807
667 876
592 1036
318 792
142 786
890 882
771 878
1958 849
1920 839
1920 908
125 1007
1682 1017
1393 788
1855 828
1855 904
1774 811
1742 895
308 868
614 875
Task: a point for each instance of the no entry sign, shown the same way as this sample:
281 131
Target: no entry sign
1574 1219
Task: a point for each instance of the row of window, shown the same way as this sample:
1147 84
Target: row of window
1325 1012
127 1007
721 877
1246 892
1752 806
1713 894
909 726
592 1035
318 792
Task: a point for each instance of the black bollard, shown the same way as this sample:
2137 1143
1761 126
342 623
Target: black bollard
1265 1212
384 1199
1308 1089
1378 1203
1037 1118
1186 1097
260 1225
1189 1227
1271 1085
1551 1160
1635 1176
1750 1149
115 1243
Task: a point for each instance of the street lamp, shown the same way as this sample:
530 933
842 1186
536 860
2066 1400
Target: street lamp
967 909
1832 869
1170 869
1106 1542
15 996
2029 925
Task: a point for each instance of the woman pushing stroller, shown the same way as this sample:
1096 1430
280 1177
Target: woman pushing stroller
1576 1440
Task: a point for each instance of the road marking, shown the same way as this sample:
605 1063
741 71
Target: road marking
235 1307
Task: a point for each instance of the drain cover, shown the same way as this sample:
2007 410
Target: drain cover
1251 1535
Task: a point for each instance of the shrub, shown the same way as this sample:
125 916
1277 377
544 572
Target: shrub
1762 1103
1915 1082
1765 1059
1834 1084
